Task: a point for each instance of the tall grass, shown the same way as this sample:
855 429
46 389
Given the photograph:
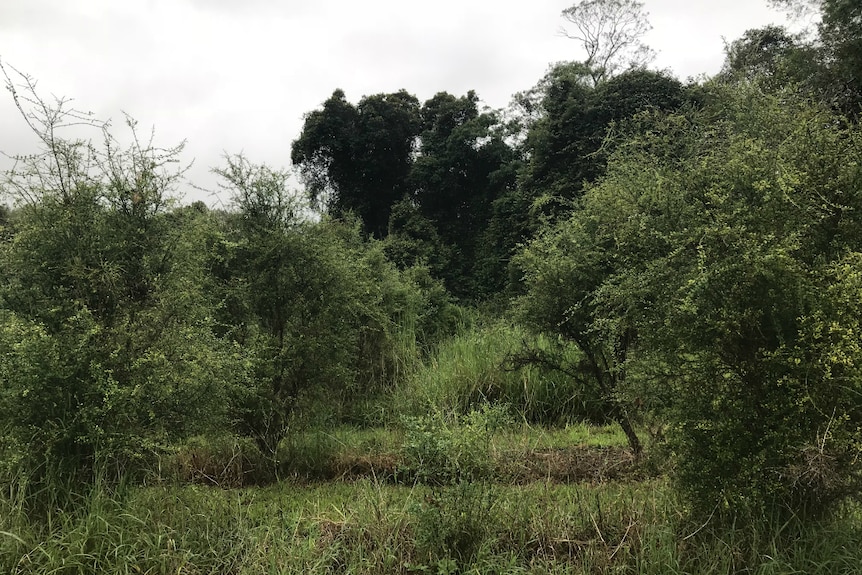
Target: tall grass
476 367
370 527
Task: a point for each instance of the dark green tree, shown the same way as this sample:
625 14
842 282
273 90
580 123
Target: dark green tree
357 158
464 164
414 240
838 48
841 34
566 146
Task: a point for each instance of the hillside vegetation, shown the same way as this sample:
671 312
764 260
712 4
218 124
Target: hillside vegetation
616 328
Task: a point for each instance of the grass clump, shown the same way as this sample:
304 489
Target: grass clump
485 364
440 450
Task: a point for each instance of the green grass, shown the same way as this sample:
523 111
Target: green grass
478 366
534 437
372 527
514 489
325 453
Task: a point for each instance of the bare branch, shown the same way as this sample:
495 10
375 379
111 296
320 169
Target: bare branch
63 165
136 180
610 33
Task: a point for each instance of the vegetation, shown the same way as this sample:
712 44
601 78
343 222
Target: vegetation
617 332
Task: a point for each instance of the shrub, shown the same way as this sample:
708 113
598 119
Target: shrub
440 450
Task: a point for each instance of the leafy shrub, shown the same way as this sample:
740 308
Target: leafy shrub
721 285
106 317
441 450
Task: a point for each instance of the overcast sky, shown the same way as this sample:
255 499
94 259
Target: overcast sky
238 75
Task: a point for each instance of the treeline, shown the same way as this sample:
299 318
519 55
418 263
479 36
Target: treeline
692 250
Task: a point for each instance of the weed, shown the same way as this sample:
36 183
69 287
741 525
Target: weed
440 450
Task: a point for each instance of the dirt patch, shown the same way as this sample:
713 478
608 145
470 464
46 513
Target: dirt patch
575 464
570 465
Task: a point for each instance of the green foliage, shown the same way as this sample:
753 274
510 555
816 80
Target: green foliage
722 258
357 157
320 307
567 145
426 176
490 364
106 325
71 400
414 240
564 268
827 66
464 164
771 56
841 35
451 525
441 450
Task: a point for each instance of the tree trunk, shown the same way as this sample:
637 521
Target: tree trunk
634 440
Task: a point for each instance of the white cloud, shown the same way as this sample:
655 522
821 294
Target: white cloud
231 76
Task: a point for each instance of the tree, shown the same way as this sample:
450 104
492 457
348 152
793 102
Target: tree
610 33
759 53
414 240
841 33
463 166
727 240
566 145
105 323
319 309
839 48
563 269
357 158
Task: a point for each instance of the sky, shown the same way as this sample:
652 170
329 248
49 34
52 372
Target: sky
230 76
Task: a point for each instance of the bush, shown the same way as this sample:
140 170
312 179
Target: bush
717 269
440 450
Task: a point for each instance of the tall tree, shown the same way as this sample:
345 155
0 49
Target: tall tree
357 158
841 34
610 33
462 167
566 145
839 48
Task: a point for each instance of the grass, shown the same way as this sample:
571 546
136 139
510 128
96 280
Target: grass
367 526
535 437
479 366
518 453
457 478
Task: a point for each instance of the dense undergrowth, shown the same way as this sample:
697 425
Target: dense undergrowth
447 473
619 334
482 492
368 526
469 465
